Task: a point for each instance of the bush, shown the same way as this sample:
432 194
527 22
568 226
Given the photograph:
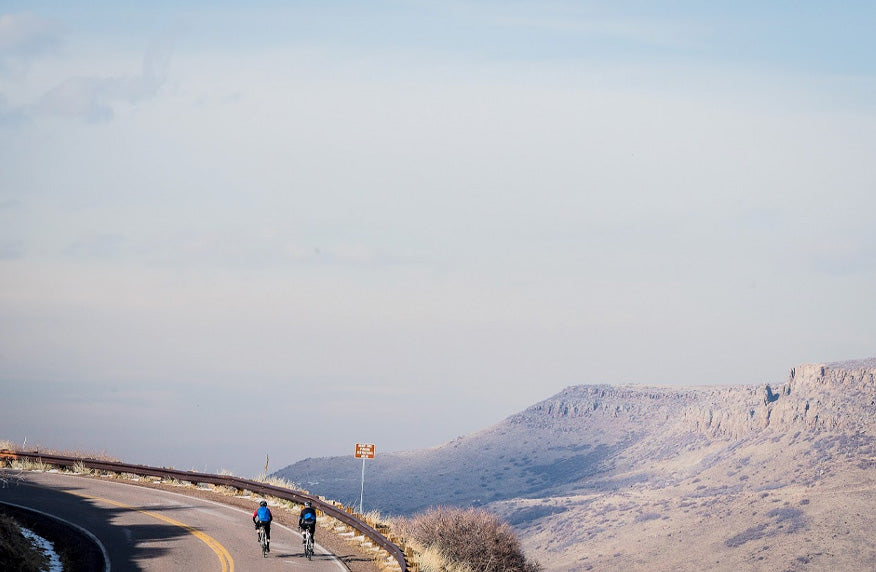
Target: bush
470 539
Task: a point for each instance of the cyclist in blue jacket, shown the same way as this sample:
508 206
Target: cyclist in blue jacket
262 517
307 519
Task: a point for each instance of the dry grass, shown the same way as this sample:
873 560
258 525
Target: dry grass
278 482
25 465
432 559
80 469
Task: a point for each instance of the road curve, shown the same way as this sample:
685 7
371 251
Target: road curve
154 530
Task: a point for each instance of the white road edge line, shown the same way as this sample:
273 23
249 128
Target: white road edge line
106 560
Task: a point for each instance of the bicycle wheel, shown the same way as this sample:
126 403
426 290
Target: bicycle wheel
264 540
308 545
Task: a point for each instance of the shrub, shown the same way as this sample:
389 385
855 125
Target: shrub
471 539
647 516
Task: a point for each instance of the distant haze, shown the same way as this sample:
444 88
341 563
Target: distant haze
399 223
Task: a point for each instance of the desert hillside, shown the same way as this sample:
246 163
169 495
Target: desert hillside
769 477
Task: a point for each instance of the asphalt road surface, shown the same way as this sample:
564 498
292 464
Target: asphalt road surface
152 530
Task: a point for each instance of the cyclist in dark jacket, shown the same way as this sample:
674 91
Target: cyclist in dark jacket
262 517
307 519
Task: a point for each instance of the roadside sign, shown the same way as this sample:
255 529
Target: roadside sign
364 450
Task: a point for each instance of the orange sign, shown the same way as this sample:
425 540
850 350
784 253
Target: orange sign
364 450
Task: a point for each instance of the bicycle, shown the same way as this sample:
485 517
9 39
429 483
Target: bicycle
308 544
263 540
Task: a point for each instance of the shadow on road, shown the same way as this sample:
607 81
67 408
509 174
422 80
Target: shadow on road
125 544
345 558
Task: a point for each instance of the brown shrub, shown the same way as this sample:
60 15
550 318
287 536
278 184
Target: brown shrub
470 537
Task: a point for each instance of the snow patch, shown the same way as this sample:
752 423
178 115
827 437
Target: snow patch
44 546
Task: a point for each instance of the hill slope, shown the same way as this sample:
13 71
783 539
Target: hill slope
602 477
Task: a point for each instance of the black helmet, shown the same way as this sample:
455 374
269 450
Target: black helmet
263 503
308 504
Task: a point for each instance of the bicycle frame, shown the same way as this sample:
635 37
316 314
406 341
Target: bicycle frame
263 540
308 544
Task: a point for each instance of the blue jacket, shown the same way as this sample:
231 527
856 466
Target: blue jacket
307 516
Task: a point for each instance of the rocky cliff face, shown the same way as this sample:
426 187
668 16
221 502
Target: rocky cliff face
751 473
832 397
642 455
825 396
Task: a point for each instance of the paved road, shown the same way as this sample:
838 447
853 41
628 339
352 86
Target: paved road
155 531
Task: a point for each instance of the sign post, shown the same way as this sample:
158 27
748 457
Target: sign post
363 451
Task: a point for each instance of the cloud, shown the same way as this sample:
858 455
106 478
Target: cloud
97 246
760 219
10 204
844 255
641 32
11 117
24 37
253 249
95 99
10 250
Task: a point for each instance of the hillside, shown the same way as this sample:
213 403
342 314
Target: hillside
768 477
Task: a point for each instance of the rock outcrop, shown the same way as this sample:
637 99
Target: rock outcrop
823 396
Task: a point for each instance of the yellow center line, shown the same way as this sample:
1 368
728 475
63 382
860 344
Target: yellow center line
223 554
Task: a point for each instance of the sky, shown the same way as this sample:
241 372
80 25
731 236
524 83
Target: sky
237 231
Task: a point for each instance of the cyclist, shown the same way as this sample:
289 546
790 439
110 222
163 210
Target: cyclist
307 520
262 517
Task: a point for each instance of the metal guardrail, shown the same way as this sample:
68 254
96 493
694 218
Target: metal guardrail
221 480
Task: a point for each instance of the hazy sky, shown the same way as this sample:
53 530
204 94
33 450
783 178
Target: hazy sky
402 221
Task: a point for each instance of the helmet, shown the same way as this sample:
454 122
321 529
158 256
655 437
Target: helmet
263 503
308 504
